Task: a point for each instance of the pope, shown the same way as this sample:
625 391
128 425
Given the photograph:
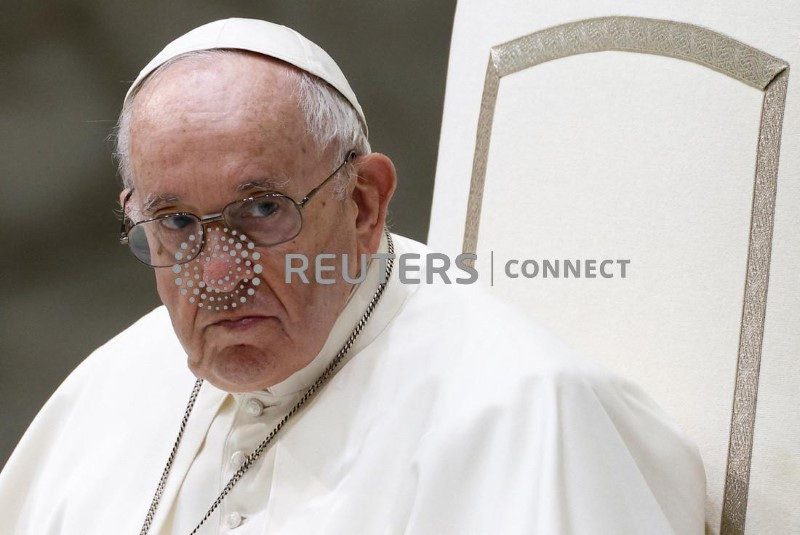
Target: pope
247 404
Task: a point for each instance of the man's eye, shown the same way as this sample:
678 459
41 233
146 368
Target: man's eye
177 222
262 208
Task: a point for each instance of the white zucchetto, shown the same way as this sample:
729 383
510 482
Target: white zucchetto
262 37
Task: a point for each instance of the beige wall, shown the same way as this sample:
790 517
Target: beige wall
66 285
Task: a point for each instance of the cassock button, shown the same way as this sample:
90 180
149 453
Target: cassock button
233 520
238 458
254 407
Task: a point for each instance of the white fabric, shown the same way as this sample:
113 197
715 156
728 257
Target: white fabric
454 415
637 156
264 38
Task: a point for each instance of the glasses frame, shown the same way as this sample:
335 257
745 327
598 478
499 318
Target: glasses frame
127 224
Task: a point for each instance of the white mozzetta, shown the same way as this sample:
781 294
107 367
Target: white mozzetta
454 414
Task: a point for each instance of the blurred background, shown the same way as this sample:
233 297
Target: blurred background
65 65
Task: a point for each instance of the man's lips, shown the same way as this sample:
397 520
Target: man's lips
241 322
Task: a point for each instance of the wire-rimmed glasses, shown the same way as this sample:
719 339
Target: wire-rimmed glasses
177 238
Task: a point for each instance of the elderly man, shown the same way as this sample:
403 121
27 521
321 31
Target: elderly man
346 405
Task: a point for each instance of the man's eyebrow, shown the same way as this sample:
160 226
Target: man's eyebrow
268 184
153 201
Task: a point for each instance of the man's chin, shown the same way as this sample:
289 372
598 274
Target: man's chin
241 368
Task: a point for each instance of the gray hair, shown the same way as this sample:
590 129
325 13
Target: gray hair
330 120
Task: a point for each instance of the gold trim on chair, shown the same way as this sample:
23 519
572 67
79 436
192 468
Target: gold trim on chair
732 58
740 446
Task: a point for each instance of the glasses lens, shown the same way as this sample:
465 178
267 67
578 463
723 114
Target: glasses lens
166 241
265 220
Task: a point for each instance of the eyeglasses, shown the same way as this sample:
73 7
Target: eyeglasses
170 239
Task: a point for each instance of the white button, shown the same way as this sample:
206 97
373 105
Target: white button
254 407
233 520
238 458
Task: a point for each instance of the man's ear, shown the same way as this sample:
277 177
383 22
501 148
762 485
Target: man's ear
375 182
124 195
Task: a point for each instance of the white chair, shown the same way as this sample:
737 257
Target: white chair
657 133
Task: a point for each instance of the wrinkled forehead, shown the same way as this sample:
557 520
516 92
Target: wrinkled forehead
232 117
231 83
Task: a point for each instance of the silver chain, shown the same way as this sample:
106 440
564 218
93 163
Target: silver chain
148 520
309 394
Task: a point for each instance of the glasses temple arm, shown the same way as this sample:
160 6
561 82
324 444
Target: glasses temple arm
350 157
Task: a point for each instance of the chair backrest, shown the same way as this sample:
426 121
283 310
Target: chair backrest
629 173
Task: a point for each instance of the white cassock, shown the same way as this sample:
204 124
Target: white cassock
452 415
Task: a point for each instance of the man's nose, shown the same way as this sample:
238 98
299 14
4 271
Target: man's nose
221 271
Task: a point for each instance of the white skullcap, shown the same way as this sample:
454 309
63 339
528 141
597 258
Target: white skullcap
264 38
